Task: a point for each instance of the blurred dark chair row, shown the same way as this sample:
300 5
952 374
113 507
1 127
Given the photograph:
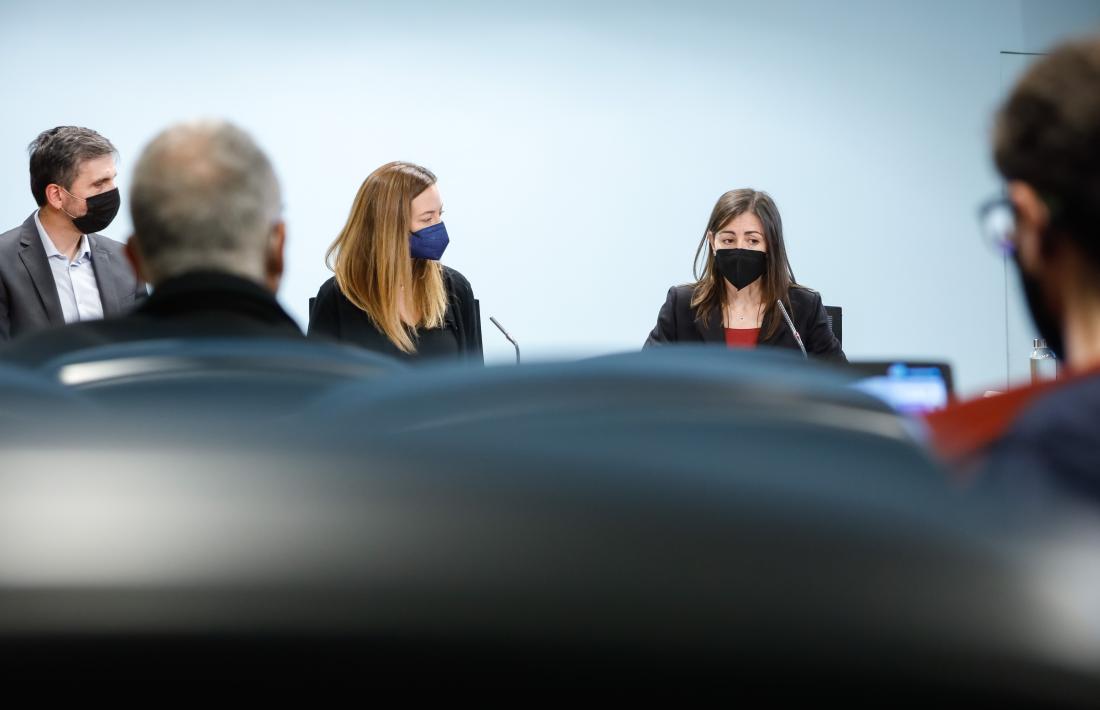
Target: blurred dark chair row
684 515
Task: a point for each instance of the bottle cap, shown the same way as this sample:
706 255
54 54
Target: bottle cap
1039 343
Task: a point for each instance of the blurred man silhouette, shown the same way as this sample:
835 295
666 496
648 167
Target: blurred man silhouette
1042 441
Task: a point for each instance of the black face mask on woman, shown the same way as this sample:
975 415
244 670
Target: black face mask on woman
102 209
741 266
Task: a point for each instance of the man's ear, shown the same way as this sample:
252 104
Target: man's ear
132 250
275 260
1032 220
53 196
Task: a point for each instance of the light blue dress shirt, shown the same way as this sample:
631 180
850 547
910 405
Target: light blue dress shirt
75 281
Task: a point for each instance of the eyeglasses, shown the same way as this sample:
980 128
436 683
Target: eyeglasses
997 218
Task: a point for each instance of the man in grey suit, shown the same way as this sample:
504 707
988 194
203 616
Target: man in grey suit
54 268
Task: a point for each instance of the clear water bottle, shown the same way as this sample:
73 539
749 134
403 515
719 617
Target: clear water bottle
1044 366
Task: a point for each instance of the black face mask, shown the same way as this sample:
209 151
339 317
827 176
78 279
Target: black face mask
1045 322
102 209
740 266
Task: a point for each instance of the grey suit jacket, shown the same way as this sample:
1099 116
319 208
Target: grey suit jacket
28 296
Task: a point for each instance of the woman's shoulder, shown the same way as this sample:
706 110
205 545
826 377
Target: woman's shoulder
803 295
457 283
683 292
454 275
679 297
328 295
328 288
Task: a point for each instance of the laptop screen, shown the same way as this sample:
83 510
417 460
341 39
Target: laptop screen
910 388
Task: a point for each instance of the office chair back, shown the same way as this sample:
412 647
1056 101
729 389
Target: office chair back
836 321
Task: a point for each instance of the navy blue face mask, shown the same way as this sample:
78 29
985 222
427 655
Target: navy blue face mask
429 243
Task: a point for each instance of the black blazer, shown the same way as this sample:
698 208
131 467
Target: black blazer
28 295
334 317
677 323
193 305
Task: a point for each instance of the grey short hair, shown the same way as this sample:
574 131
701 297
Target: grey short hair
204 197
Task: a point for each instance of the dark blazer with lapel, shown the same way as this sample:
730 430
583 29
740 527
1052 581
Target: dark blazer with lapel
28 295
677 323
199 304
334 317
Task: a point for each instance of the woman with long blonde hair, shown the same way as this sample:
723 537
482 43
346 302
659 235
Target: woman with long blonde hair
745 294
390 293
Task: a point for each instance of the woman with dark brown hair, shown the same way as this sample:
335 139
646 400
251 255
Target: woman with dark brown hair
390 293
745 293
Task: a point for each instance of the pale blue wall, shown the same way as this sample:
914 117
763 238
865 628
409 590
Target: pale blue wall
580 145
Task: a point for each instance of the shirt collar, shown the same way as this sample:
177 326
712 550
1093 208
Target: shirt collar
83 251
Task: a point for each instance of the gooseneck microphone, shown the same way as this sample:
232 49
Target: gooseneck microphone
506 335
790 323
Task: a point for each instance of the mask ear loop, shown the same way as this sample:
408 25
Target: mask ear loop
74 197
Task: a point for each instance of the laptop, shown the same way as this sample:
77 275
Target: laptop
909 387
